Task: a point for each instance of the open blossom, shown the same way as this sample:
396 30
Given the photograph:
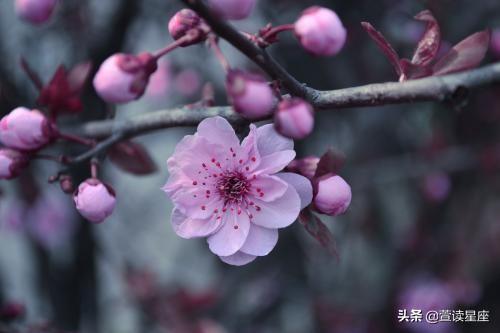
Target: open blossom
234 193
24 129
320 31
35 11
123 78
95 200
232 9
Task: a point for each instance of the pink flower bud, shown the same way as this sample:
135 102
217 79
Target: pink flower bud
250 94
123 78
232 9
187 21
95 200
333 195
25 129
320 31
495 42
35 11
294 118
304 166
12 163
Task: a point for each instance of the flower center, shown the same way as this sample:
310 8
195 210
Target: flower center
233 187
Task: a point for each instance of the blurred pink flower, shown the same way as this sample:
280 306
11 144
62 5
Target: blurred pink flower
35 11
187 82
49 220
320 31
232 9
234 194
161 81
436 187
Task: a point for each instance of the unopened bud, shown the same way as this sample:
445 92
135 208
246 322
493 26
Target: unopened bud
294 118
95 200
250 94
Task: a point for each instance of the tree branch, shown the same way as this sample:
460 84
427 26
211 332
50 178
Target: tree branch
444 88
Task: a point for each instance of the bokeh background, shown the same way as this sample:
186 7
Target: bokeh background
423 230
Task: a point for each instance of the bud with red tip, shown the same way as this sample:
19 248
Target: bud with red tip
294 118
12 163
123 78
250 94
35 11
187 21
25 129
66 183
232 9
332 195
95 200
320 31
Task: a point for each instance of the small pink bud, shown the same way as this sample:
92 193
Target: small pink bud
320 31
35 11
294 118
495 43
304 166
123 78
232 9
66 183
250 94
25 129
12 163
187 21
95 200
333 195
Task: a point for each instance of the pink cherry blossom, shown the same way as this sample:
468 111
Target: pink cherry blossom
294 118
35 11
333 195
320 31
234 194
123 78
232 9
12 163
95 200
24 129
250 94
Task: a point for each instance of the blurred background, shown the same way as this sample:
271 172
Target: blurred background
423 230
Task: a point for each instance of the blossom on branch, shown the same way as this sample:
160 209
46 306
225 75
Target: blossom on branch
234 193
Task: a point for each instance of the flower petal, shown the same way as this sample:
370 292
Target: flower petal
268 188
301 184
187 228
193 202
218 130
269 141
231 236
279 213
275 162
238 259
260 241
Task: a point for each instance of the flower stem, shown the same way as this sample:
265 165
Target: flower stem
94 168
76 138
273 32
188 37
214 45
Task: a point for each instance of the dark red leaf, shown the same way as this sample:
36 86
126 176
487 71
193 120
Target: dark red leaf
428 46
316 228
132 157
331 162
414 71
78 75
465 55
384 46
